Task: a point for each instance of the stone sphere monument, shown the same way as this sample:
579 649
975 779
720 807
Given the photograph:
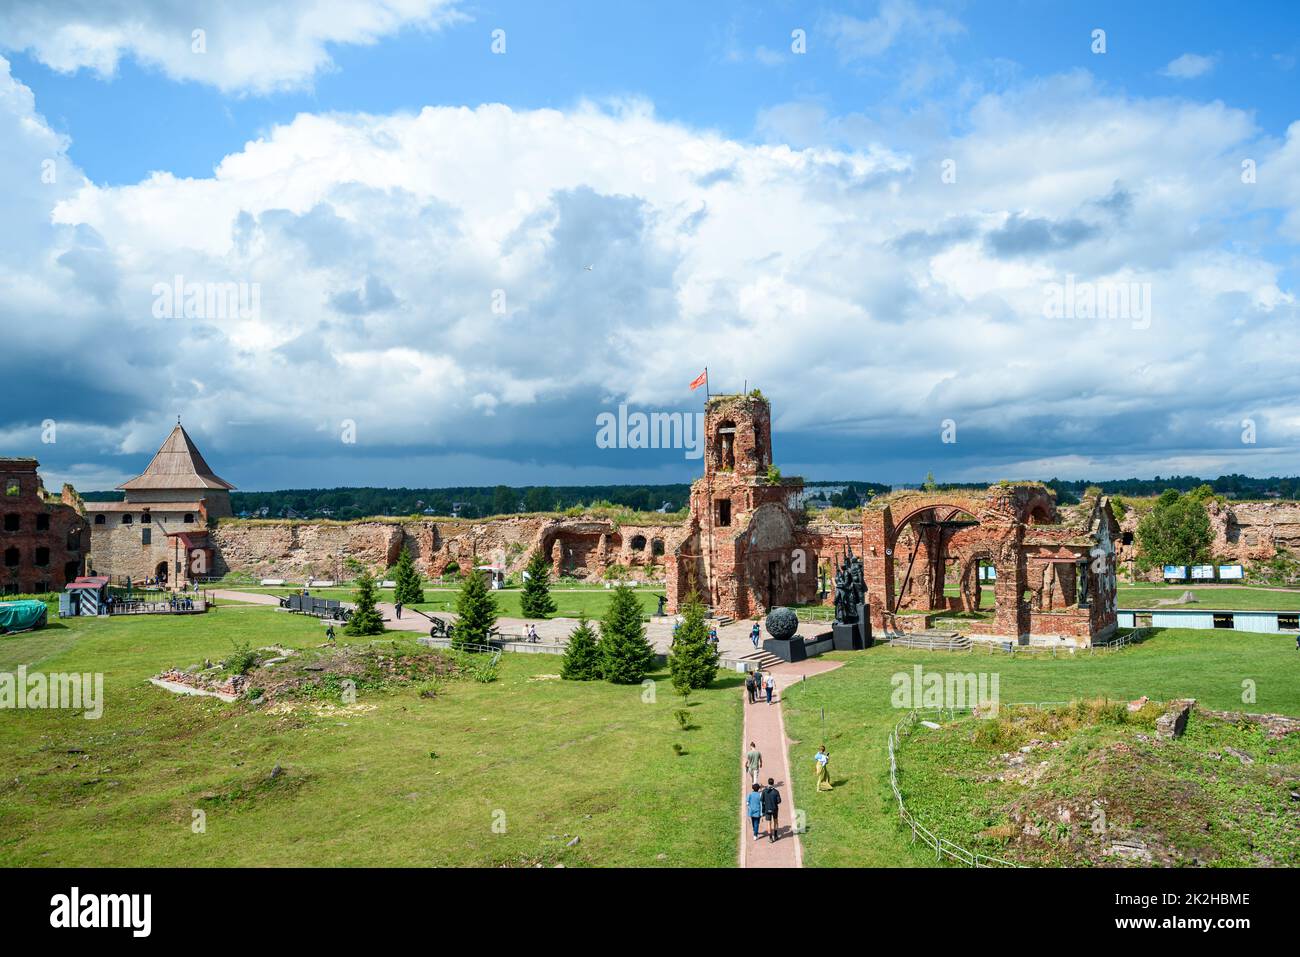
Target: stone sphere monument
782 623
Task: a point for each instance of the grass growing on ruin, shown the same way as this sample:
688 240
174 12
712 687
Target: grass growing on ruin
1059 787
856 824
395 779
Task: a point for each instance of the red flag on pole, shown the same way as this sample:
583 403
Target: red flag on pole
699 380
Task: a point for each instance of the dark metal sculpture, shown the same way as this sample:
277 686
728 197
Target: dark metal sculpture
850 589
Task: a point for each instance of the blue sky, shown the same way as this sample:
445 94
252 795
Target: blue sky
695 61
380 174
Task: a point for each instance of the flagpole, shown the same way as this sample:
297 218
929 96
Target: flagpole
706 386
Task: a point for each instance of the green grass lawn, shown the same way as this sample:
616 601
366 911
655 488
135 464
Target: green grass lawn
1238 599
544 758
856 824
593 602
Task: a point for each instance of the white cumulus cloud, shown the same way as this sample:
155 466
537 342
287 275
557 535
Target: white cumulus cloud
237 46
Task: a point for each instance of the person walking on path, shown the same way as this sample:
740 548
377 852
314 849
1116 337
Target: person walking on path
823 758
751 688
771 799
753 763
397 607
754 804
754 635
769 685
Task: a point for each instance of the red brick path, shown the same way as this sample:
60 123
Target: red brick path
765 726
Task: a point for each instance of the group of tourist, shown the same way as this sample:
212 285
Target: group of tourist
762 803
757 684
181 602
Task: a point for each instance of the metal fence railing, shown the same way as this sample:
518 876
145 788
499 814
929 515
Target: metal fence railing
812 613
922 642
472 647
942 846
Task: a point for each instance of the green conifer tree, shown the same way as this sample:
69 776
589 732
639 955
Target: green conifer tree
693 660
536 600
366 619
476 611
407 579
582 657
626 655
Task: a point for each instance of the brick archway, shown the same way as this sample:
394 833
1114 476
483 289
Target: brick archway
980 524
932 527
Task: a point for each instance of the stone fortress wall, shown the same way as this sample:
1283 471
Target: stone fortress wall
1243 531
583 547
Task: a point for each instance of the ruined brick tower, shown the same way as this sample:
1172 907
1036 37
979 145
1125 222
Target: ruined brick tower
43 539
739 554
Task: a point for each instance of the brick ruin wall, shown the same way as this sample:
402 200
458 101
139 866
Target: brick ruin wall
42 541
586 547
1244 531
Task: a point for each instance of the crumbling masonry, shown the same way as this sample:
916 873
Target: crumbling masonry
747 549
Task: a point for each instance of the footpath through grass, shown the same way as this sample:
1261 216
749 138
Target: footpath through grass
856 824
505 773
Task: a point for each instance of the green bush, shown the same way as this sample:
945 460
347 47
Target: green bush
241 660
1177 530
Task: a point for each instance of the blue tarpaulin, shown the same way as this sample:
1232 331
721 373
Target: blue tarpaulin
22 616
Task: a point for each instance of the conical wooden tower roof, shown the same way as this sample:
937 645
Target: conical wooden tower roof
177 465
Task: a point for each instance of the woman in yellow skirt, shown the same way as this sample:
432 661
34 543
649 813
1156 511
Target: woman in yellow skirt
823 770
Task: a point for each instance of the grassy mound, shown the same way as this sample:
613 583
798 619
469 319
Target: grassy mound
1091 784
330 673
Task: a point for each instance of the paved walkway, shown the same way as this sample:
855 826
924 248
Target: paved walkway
765 726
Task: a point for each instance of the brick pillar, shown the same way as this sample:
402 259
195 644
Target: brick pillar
1007 589
877 566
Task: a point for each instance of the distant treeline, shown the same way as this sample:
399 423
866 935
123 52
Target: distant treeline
462 501
481 501
1068 492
